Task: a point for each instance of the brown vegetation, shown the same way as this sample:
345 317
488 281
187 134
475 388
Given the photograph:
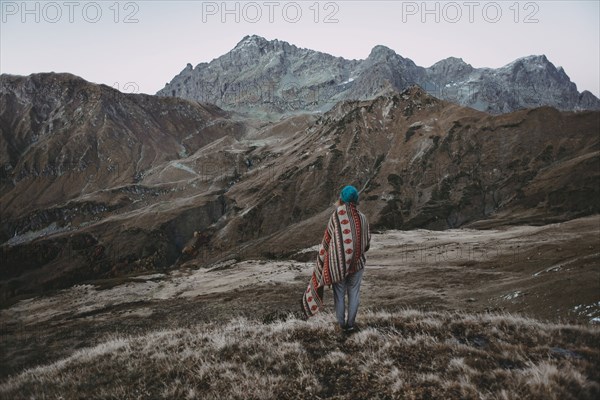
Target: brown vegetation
407 354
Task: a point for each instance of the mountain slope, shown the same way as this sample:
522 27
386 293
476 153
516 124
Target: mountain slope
63 137
261 76
421 162
265 187
80 195
410 354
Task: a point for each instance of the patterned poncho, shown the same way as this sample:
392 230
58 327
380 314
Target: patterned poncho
341 253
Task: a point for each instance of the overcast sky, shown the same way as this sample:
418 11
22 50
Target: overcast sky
138 46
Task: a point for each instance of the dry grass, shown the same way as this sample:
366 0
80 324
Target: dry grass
408 354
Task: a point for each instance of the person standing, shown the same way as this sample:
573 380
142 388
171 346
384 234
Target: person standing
341 261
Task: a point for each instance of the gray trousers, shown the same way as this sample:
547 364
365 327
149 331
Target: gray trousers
350 285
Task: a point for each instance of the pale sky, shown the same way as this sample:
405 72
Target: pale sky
138 46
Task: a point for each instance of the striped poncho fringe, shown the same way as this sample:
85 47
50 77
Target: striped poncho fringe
341 253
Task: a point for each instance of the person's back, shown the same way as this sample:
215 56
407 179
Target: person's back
341 260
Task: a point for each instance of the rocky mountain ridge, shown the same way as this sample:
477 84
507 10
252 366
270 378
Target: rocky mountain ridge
267 77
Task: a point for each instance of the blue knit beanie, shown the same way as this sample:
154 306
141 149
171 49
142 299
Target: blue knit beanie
349 194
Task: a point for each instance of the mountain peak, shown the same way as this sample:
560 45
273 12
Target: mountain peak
252 40
258 75
536 58
416 92
450 61
540 60
381 51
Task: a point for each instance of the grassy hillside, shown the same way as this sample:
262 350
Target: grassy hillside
407 354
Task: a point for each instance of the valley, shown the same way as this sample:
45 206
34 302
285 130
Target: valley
482 280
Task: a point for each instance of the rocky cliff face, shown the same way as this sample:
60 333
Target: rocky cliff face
273 76
525 83
99 184
269 76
